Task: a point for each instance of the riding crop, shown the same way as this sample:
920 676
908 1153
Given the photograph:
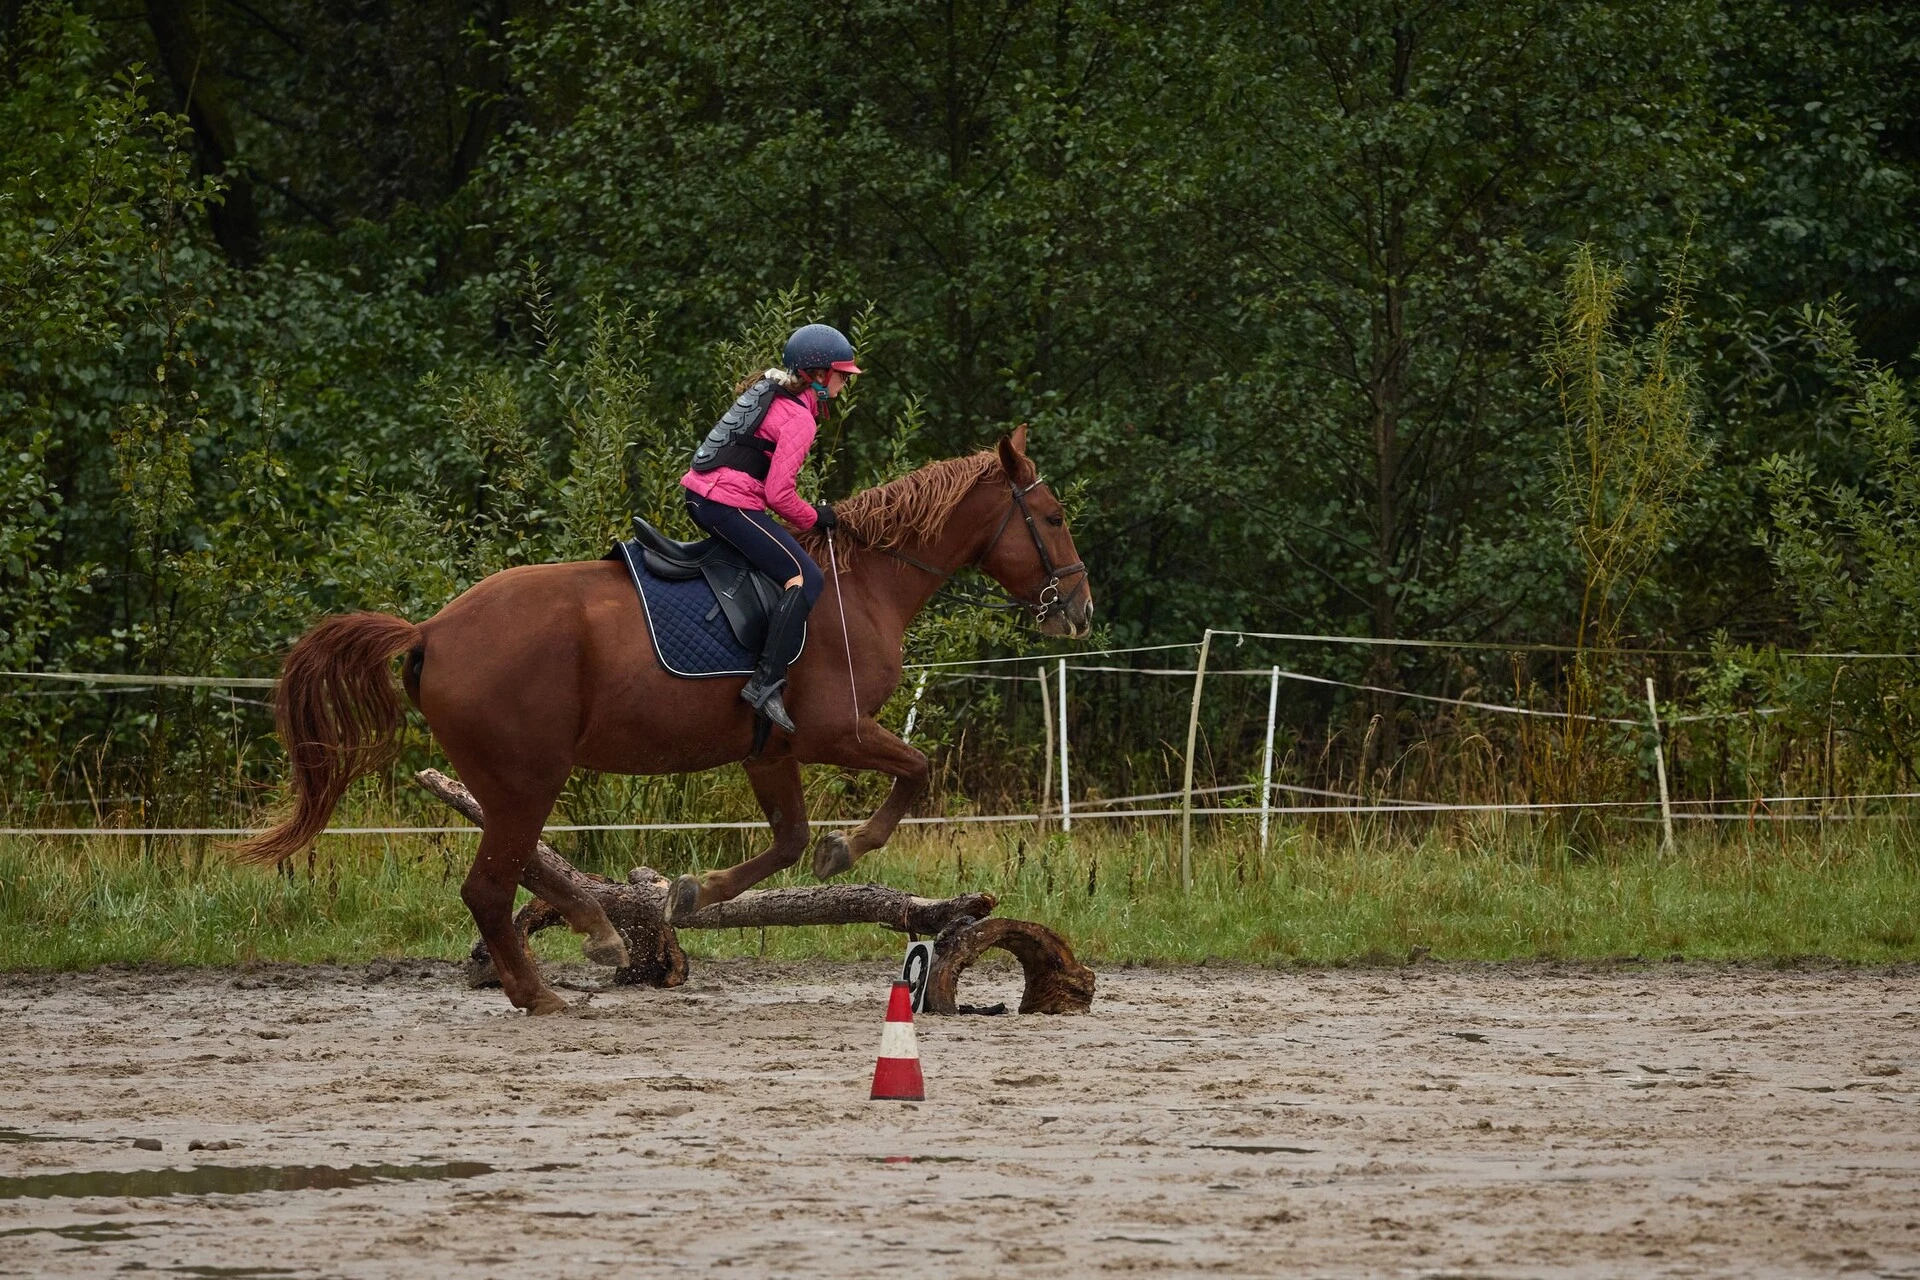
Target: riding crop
846 637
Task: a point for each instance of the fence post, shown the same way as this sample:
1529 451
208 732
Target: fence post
1186 788
1066 812
1046 771
1266 761
1660 770
913 712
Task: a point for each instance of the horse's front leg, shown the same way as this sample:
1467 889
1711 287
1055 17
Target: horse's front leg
583 913
776 784
881 751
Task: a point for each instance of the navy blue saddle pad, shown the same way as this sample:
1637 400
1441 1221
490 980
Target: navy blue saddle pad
691 635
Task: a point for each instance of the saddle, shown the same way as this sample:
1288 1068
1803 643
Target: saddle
745 595
707 607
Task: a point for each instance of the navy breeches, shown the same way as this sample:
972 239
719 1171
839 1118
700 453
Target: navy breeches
762 540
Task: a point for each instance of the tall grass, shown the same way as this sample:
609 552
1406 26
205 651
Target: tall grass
1492 892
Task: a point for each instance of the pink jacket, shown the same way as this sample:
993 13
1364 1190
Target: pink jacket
791 425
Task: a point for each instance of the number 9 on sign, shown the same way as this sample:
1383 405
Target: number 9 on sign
917 971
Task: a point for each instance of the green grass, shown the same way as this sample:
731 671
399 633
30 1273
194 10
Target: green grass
1852 894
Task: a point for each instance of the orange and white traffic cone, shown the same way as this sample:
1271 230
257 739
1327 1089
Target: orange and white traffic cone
897 1074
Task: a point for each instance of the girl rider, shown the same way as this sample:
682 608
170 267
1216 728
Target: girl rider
749 462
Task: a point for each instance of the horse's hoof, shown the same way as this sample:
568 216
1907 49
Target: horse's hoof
831 856
481 973
546 1002
683 897
609 950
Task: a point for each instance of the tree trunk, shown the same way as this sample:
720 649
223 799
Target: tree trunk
1055 981
1387 389
183 53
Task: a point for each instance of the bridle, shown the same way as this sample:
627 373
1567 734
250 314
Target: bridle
1043 606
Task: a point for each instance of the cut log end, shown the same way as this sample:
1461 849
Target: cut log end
1055 981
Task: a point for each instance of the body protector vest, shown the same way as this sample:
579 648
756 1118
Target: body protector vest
732 442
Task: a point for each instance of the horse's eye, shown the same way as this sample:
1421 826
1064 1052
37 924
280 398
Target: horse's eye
1056 521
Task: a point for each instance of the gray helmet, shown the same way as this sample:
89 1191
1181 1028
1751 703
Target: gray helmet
819 346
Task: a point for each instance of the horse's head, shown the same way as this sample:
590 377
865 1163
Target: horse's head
1033 555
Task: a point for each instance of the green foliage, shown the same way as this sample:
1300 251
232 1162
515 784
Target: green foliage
1314 900
1849 560
1402 227
1632 444
89 174
1266 283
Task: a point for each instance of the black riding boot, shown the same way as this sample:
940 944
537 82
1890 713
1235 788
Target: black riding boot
784 632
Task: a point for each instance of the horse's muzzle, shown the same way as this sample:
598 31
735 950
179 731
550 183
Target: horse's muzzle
1074 620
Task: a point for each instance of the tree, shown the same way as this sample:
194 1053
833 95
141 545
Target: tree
1407 177
1849 559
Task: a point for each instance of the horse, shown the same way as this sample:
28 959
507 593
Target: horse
541 669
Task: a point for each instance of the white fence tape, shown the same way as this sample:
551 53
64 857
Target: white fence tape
1082 813
1492 646
108 677
1085 808
267 682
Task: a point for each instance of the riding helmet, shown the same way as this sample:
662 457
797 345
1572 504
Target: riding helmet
819 346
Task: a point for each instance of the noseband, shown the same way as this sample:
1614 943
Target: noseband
1048 602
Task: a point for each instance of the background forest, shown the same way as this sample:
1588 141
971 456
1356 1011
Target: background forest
1583 323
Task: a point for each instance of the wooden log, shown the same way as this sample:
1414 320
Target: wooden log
1055 981
829 904
654 957
545 857
637 908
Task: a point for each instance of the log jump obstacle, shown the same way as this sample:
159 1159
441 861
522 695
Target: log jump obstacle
963 927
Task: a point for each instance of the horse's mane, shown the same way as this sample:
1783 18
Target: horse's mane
917 505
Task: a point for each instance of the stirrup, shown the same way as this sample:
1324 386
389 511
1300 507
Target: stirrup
769 704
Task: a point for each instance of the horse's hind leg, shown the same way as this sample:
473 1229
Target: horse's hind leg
506 847
776 784
879 750
579 908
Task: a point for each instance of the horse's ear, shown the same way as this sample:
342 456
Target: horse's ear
1013 456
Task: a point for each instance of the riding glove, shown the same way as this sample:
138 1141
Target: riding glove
824 518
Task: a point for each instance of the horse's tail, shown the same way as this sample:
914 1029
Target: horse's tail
339 716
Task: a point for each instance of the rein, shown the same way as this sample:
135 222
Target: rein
996 596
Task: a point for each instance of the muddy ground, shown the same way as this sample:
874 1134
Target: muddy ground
1427 1121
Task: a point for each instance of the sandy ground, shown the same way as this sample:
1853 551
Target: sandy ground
1428 1121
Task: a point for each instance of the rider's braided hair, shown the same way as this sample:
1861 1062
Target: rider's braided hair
787 378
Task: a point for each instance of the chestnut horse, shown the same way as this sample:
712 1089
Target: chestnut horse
542 669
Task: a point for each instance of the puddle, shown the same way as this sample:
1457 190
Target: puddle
21 1135
228 1180
1250 1149
1474 1036
89 1232
920 1159
232 1273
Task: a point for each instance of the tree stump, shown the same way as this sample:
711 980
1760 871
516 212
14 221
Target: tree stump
1055 981
638 911
963 926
